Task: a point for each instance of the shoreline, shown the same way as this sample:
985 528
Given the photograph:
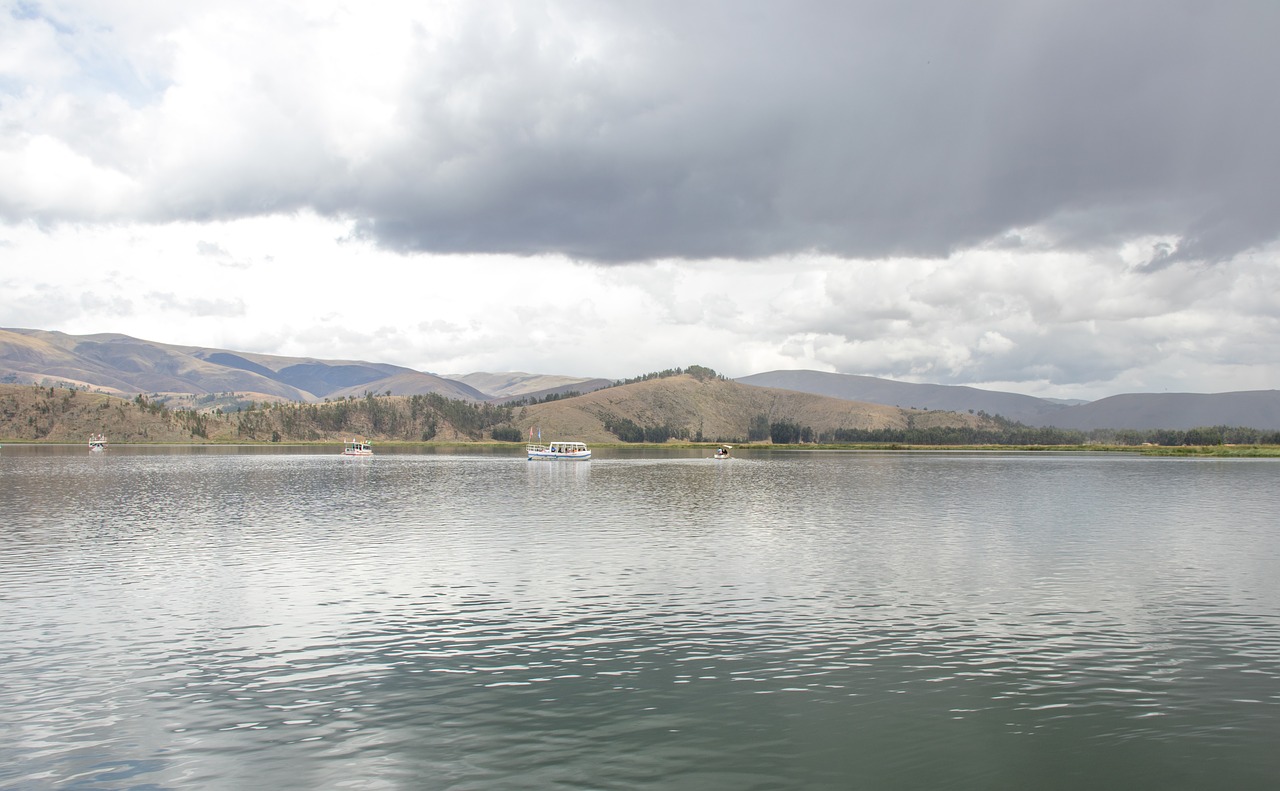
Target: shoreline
1211 451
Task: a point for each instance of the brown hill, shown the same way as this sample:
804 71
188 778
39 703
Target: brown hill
33 413
48 414
126 366
685 406
715 409
123 365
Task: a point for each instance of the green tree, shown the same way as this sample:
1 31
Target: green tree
784 432
506 434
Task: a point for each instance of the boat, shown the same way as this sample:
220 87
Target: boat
97 443
722 452
357 447
574 451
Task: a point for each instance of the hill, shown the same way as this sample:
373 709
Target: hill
1259 409
66 415
1254 408
517 384
126 366
47 414
954 398
121 365
208 379
674 407
717 410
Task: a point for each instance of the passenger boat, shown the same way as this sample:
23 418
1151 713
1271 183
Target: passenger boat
560 450
722 452
97 443
357 447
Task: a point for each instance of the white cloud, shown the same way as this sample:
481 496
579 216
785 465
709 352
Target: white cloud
44 174
1052 324
856 190
633 132
29 51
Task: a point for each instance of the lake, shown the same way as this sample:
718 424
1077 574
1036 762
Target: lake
229 618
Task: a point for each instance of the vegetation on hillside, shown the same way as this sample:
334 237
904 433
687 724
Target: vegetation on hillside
52 414
627 430
549 397
68 415
652 414
660 415
1018 434
699 372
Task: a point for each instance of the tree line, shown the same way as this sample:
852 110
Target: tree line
1018 434
1006 432
699 372
412 418
423 417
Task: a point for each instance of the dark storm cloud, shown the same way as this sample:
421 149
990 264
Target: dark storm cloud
630 131
750 129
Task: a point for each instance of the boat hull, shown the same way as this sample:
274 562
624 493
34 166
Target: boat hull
582 456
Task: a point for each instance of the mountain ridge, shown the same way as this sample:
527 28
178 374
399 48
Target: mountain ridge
127 366
680 407
856 387
1258 409
188 375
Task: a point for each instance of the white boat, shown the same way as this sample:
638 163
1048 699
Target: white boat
560 450
357 447
722 452
97 443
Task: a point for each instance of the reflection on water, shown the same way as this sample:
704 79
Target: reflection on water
785 620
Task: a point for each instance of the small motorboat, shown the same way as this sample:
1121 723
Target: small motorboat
357 447
97 443
722 452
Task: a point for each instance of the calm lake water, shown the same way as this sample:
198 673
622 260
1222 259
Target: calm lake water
254 618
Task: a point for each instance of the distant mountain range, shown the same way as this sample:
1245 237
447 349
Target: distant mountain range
126 366
1012 406
1254 408
121 365
513 386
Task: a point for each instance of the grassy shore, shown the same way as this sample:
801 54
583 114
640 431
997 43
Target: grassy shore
1227 451
1218 451
1250 451
1238 451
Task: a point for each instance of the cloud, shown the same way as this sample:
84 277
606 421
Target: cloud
1048 322
628 132
1069 198
195 307
211 249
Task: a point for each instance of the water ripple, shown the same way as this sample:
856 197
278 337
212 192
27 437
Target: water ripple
815 620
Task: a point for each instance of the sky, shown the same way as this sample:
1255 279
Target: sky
1069 199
